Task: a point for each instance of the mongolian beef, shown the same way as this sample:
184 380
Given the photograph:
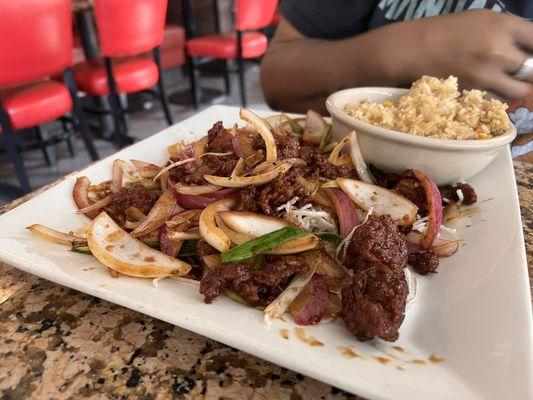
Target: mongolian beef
276 216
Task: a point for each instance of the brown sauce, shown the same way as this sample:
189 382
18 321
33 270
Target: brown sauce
382 360
114 236
348 352
310 340
435 360
417 362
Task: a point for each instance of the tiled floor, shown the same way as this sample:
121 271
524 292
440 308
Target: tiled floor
143 124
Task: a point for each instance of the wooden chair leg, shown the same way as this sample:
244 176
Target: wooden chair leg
81 121
161 85
10 145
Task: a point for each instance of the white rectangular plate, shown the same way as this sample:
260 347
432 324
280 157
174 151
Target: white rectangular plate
475 314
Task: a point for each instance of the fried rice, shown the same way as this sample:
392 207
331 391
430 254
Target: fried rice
434 107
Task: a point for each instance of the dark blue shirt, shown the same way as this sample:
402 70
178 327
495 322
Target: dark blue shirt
337 19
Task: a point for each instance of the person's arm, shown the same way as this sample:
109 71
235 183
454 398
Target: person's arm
480 47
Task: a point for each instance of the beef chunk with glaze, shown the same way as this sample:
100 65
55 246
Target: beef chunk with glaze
377 240
257 287
374 304
424 262
318 165
248 199
135 196
283 189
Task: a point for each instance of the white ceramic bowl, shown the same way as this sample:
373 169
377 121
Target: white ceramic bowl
444 160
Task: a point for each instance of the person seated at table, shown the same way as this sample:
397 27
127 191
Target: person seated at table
324 46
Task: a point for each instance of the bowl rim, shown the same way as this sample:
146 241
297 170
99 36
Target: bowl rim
403 137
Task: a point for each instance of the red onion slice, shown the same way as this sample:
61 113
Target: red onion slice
311 304
80 194
346 210
434 202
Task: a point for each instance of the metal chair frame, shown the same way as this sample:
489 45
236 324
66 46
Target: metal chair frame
8 138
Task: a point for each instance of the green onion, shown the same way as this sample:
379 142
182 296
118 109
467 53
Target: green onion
330 237
325 138
295 126
261 245
235 296
329 148
83 248
188 248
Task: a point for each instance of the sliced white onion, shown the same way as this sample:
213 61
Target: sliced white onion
278 307
194 190
174 164
118 250
96 206
263 130
382 200
210 232
358 161
242 181
412 284
52 235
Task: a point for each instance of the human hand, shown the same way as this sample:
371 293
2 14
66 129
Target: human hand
481 47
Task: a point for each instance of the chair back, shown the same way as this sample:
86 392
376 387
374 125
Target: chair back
128 27
35 39
254 14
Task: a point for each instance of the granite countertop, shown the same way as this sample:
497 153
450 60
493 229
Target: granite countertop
59 343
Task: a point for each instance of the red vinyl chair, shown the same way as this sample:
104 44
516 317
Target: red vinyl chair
126 30
36 44
245 43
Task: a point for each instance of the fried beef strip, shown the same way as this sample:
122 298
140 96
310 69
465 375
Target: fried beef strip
283 189
378 240
219 141
424 262
411 188
257 287
450 192
374 304
318 165
134 196
248 199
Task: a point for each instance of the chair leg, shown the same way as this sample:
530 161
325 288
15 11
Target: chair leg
120 136
240 64
225 72
161 85
10 145
79 115
194 75
47 152
71 138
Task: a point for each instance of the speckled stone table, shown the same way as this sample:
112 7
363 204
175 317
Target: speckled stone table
58 343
